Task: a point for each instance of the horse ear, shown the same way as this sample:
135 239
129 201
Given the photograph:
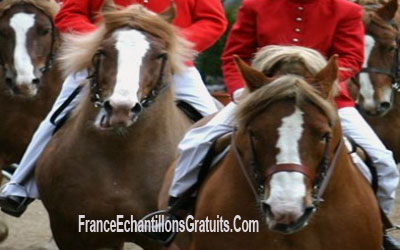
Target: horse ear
326 78
253 78
170 13
366 18
108 5
388 11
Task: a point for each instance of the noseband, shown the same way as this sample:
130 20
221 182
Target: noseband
97 92
320 179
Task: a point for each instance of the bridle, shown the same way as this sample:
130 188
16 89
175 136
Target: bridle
320 179
50 57
96 95
394 72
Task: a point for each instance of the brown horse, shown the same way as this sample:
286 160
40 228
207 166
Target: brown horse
285 157
376 87
110 156
29 83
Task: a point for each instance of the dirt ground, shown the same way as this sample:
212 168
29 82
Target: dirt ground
32 232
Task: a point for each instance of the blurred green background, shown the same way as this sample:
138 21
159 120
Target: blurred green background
208 62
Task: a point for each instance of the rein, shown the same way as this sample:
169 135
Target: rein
320 179
97 93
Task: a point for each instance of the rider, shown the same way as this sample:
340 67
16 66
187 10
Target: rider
292 22
201 22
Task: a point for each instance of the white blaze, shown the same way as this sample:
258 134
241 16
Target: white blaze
21 23
387 94
132 46
288 189
289 135
366 88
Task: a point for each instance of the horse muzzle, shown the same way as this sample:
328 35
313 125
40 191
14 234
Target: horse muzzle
118 116
288 223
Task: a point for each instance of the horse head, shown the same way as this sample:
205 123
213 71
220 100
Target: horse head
380 73
130 59
27 43
286 126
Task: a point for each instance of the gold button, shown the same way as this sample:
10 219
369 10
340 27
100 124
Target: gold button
300 8
299 19
295 40
297 30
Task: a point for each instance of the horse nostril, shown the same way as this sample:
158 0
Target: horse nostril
267 209
137 108
36 81
9 81
385 106
107 106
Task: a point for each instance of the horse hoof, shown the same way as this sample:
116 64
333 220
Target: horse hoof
3 231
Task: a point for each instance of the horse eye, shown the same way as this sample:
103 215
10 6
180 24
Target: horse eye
325 136
44 32
391 49
161 56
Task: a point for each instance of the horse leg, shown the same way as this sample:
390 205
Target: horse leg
3 230
65 236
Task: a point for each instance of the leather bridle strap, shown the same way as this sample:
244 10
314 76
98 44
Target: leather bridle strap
290 168
321 190
322 179
239 158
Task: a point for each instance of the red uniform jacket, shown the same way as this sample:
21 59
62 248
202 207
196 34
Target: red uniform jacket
202 21
329 26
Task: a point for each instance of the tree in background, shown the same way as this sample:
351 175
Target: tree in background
209 62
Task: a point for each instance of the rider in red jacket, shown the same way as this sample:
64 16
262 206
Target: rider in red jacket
328 26
201 22
341 33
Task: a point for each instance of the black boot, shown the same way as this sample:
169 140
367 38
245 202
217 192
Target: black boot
389 243
14 205
178 209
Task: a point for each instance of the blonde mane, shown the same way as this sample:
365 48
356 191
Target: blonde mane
286 86
78 50
49 7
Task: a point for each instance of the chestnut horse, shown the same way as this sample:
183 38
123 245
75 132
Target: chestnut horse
111 155
286 162
377 87
28 82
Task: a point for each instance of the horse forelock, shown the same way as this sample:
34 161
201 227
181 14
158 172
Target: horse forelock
271 55
286 86
283 88
78 50
49 7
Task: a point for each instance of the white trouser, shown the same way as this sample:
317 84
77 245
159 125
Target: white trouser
189 87
355 127
197 141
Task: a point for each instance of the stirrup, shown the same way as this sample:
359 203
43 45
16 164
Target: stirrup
149 232
394 228
7 174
